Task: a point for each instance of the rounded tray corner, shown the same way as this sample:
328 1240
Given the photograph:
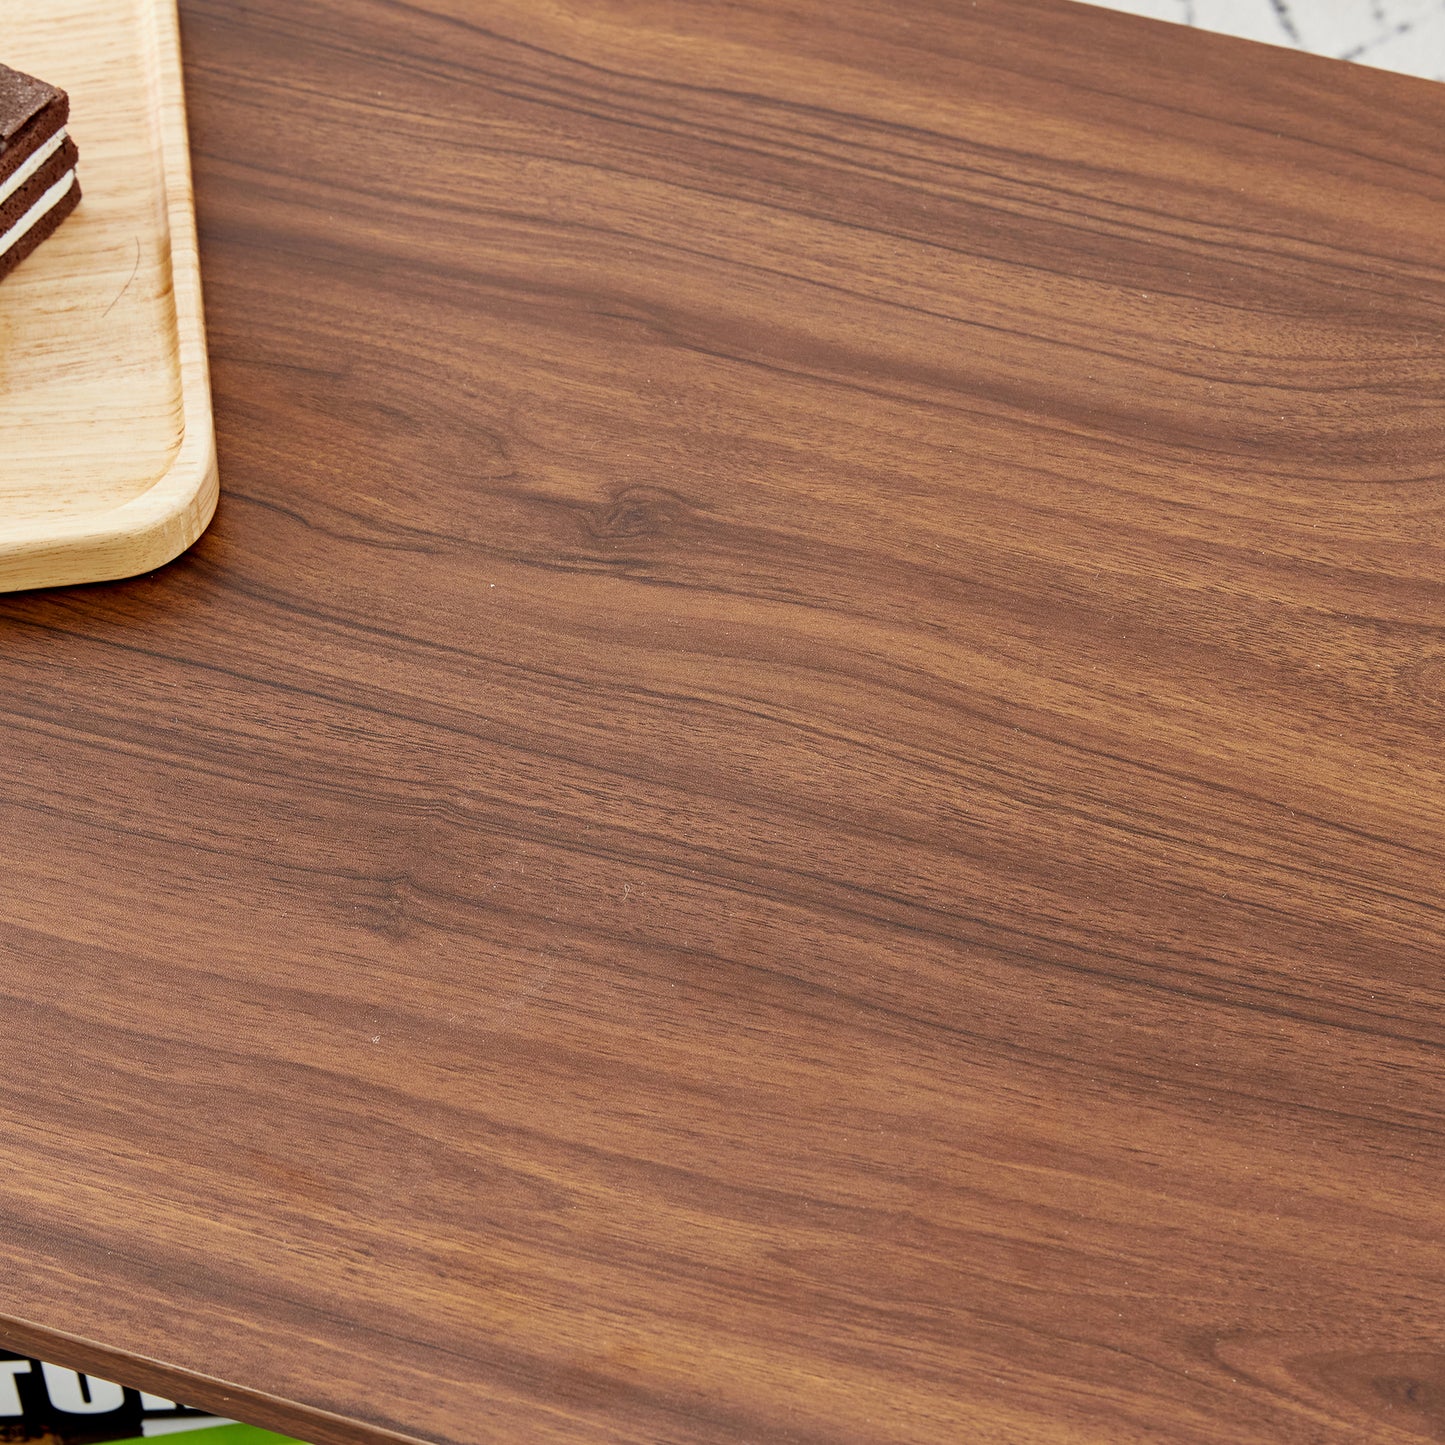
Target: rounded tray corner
127 97
139 536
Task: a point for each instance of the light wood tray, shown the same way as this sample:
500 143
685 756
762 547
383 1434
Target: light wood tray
107 450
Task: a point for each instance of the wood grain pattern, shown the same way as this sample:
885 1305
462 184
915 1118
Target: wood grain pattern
107 447
798 797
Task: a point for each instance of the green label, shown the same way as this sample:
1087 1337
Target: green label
42 1404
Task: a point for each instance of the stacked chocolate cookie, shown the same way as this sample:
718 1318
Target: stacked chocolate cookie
38 188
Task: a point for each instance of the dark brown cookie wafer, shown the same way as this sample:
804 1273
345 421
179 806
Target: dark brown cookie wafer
38 188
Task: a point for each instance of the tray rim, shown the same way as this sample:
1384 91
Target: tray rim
155 527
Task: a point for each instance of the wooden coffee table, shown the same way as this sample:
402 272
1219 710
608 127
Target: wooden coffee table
798 796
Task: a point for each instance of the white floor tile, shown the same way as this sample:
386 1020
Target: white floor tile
1404 35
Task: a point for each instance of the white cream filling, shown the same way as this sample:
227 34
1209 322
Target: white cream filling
37 212
11 184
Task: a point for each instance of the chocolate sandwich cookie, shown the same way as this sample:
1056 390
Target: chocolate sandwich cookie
38 188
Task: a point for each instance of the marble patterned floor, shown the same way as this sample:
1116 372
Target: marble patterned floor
1403 35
